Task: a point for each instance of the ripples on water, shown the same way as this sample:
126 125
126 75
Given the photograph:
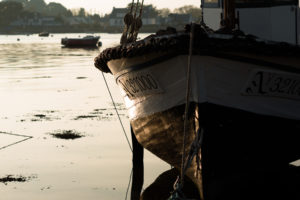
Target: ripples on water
46 88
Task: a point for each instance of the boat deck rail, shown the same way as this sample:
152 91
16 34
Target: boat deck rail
206 42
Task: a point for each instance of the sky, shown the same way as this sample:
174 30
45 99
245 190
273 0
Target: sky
106 6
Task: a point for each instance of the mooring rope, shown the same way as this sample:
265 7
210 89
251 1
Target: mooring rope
187 103
196 145
25 136
112 99
178 194
130 178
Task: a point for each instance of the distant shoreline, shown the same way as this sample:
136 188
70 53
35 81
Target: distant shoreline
72 29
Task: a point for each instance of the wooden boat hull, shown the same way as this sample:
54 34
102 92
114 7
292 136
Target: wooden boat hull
44 34
249 111
80 42
148 88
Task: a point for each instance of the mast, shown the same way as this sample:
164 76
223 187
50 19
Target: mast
229 20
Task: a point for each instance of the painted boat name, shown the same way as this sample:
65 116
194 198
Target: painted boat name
271 83
138 84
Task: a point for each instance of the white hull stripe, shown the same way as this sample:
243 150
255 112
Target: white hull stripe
214 80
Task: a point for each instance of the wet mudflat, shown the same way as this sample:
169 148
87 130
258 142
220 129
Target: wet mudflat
61 134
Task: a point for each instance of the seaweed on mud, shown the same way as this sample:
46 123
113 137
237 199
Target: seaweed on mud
85 117
41 77
41 116
99 109
119 106
50 111
97 114
12 178
103 113
47 115
67 134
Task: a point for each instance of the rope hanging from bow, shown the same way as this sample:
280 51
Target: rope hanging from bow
133 23
196 145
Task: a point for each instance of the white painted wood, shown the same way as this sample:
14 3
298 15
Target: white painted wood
276 23
214 80
212 17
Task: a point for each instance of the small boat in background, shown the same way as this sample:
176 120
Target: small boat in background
44 34
87 41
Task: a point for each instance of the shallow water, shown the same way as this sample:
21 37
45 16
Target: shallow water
45 88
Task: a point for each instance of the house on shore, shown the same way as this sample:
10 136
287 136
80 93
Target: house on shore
175 19
149 16
36 21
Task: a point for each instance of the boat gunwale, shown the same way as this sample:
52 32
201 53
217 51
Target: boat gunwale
205 44
260 61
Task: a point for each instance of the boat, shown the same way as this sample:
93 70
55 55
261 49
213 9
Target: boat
43 34
87 41
220 104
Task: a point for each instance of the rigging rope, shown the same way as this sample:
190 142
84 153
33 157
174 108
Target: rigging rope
202 13
132 23
131 8
128 20
130 178
138 22
196 145
25 136
187 103
112 99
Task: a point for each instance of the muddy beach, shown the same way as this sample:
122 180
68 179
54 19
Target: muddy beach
60 131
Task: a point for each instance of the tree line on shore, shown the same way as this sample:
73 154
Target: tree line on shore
14 10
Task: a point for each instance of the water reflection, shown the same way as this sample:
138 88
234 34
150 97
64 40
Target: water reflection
44 88
29 56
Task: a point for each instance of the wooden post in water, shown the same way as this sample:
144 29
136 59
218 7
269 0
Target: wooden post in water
138 168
